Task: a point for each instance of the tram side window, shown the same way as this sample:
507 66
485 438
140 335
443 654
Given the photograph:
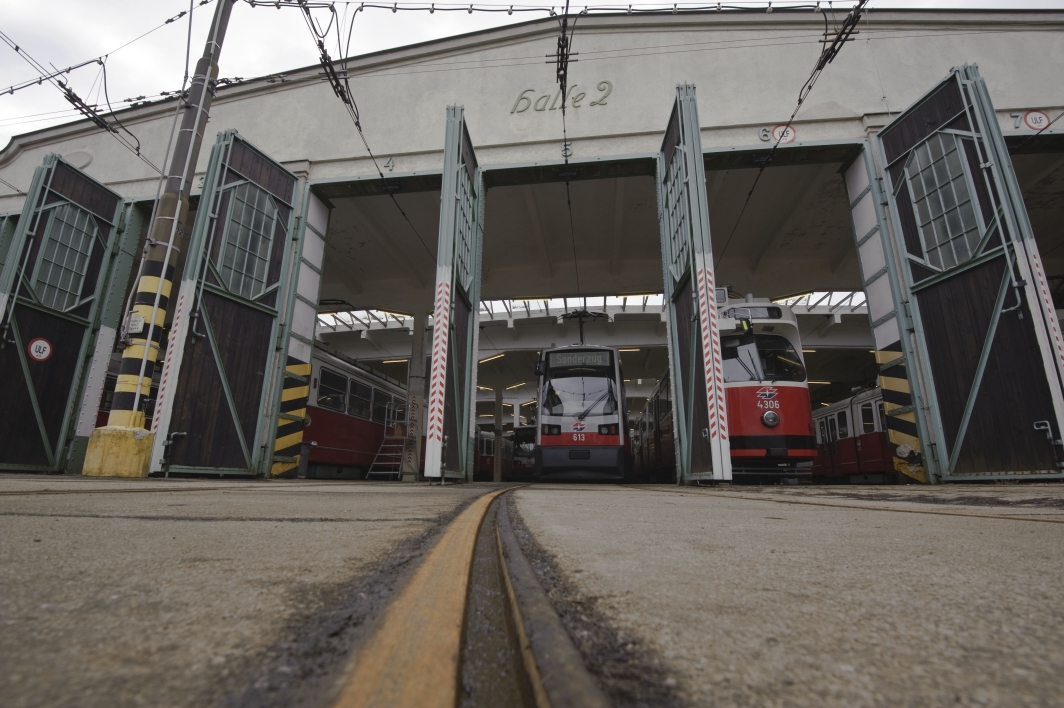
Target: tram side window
823 431
882 416
332 390
381 403
868 420
844 426
833 430
360 402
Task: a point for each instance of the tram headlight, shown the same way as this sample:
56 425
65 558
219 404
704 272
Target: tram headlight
552 429
770 419
608 429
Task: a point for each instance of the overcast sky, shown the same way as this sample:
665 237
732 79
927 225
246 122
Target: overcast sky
260 41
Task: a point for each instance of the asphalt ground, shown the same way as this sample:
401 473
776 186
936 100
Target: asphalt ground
168 592
289 593
811 596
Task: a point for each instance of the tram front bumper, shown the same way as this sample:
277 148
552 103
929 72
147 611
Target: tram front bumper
565 462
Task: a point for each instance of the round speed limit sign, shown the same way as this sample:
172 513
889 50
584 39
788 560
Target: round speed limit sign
39 349
1035 120
784 134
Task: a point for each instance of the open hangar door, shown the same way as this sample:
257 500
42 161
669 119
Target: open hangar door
65 263
234 382
979 332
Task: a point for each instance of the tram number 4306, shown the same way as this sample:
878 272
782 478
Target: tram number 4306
765 405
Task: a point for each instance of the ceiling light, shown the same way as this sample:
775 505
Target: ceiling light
809 351
528 403
517 385
492 358
629 350
395 361
484 388
820 383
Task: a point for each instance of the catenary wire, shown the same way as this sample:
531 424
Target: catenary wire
343 92
827 55
77 102
59 72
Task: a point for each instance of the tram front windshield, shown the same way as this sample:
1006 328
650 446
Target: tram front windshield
760 357
582 388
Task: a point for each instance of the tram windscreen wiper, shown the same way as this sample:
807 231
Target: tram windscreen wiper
756 374
584 413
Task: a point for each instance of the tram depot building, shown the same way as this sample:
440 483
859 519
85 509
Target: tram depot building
917 173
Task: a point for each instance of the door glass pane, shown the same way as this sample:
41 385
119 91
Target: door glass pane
868 421
332 390
882 417
844 428
248 240
361 400
943 202
833 431
822 432
71 234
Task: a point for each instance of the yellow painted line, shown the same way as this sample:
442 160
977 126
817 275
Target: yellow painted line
866 507
412 658
290 394
150 284
288 441
894 384
299 369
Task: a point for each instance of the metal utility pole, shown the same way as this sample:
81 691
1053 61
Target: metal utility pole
167 236
123 447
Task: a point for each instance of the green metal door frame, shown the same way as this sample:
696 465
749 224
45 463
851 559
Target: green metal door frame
960 130
190 311
458 273
700 413
19 288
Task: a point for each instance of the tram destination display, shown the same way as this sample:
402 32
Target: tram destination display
592 358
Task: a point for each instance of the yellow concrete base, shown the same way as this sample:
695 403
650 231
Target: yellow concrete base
116 451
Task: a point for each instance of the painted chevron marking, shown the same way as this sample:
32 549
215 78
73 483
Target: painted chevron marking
438 380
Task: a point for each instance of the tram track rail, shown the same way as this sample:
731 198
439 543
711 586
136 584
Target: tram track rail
864 507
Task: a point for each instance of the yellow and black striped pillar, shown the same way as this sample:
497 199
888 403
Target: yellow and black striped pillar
125 404
292 417
900 413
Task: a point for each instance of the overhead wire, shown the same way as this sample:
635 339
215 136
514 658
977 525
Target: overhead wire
88 111
59 72
342 89
563 57
827 55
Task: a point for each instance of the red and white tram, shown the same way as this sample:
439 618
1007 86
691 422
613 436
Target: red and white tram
770 426
852 444
583 426
770 421
351 410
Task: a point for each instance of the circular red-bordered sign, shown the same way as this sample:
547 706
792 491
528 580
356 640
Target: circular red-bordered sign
39 349
1036 120
784 134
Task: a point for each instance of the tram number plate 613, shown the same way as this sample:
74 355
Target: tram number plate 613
766 405
579 437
